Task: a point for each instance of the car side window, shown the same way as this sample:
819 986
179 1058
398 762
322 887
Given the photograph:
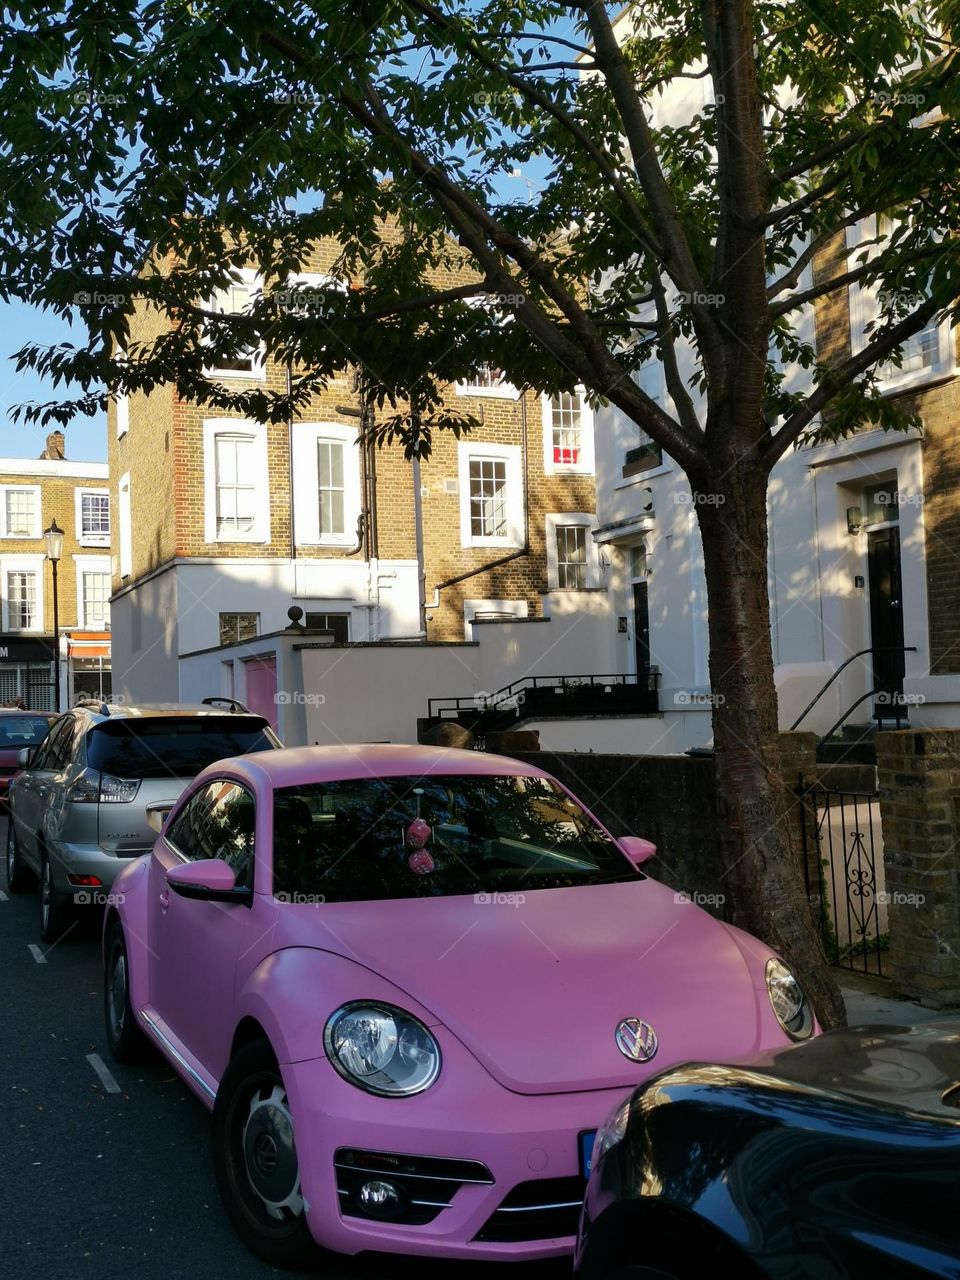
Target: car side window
63 747
47 750
218 822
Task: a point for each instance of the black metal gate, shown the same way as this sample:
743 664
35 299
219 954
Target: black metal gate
843 866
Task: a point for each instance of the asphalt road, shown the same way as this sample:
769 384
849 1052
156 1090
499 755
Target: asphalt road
105 1184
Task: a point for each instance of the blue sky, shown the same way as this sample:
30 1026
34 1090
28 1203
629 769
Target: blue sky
20 324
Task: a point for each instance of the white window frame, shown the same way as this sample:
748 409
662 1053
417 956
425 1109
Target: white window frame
503 390
306 484
585 465
257 431
22 564
515 497
91 564
254 281
585 520
864 309
125 527
91 539
37 513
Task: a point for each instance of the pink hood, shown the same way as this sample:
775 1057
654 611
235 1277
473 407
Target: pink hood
535 991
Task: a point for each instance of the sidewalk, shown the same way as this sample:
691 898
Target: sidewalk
868 1002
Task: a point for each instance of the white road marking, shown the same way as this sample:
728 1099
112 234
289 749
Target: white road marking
37 953
103 1071
3 896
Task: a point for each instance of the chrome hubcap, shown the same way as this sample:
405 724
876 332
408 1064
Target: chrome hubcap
269 1153
118 995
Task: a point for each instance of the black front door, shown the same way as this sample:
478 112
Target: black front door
641 627
886 611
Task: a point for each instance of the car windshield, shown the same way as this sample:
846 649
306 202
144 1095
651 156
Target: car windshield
23 731
407 837
173 747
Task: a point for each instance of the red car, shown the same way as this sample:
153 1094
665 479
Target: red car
19 729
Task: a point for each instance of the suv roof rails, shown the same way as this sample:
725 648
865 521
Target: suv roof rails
232 704
94 704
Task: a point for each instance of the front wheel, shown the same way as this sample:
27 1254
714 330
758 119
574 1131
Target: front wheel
125 1040
255 1160
19 876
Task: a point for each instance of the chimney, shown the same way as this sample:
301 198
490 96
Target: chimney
54 452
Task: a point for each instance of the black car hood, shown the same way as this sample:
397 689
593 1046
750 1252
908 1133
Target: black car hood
916 1068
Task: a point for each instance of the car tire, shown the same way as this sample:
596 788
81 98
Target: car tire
55 913
125 1040
19 876
255 1160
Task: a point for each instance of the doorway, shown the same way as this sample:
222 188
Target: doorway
261 682
886 611
641 628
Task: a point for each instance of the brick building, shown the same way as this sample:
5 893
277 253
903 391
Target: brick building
76 496
224 525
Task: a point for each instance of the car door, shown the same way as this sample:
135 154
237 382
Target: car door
195 944
32 790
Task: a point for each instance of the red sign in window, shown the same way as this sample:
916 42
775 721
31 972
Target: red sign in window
565 457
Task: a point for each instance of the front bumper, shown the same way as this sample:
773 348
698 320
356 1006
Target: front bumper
520 1139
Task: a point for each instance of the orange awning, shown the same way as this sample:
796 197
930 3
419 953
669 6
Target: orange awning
88 644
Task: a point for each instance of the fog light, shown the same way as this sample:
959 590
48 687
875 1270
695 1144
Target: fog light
380 1199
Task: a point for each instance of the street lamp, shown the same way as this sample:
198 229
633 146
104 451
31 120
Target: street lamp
53 537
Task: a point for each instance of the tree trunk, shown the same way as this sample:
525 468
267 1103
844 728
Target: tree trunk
766 888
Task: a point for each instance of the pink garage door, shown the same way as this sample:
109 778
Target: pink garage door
261 676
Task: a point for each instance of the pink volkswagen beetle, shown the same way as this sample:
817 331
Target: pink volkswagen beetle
410 984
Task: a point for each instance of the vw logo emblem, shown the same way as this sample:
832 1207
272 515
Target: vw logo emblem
636 1039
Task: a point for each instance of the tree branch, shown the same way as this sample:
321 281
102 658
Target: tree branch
850 277
843 374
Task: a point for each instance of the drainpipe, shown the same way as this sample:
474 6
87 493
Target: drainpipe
421 564
514 555
293 523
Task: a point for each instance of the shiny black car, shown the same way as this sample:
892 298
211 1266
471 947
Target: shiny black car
831 1159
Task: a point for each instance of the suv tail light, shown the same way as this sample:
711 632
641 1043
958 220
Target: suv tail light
118 790
93 786
86 789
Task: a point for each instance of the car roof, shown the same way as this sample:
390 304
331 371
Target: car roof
299 766
143 710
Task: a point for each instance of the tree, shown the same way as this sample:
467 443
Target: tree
194 137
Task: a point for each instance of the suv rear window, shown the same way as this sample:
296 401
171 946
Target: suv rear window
168 747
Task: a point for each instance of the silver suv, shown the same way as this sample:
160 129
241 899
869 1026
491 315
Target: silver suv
91 794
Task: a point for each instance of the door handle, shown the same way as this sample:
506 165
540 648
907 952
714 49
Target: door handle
164 900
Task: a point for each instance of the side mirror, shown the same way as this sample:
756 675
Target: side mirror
157 814
210 880
25 756
637 849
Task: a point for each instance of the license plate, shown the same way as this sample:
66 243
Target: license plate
586 1151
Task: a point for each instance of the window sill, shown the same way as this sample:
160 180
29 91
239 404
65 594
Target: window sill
237 375
556 469
23 537
486 544
641 477
98 541
493 393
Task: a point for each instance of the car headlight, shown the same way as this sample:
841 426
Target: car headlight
789 1003
612 1131
381 1049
